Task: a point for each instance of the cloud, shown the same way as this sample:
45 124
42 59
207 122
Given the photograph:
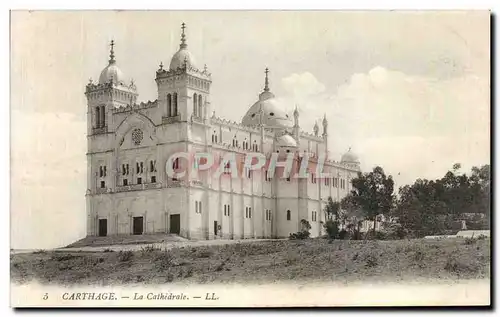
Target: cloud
412 125
48 168
302 85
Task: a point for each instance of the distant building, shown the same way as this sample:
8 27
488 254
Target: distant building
129 145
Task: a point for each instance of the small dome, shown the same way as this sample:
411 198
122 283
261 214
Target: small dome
111 72
287 140
182 56
349 157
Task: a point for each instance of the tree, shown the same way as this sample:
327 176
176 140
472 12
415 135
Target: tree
333 210
352 212
332 228
336 217
481 182
373 194
433 207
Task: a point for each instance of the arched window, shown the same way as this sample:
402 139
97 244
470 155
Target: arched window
174 102
103 116
288 215
169 105
195 104
97 117
213 138
200 104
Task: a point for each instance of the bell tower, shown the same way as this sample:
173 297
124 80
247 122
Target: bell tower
110 92
183 89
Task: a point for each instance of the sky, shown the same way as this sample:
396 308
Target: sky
408 91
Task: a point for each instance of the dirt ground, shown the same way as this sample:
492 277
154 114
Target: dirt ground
259 262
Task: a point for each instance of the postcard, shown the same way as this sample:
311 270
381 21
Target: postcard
250 158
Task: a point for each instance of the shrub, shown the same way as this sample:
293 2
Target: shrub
164 261
62 257
353 234
371 260
221 265
469 241
419 257
343 234
303 233
150 248
204 254
332 229
124 256
457 266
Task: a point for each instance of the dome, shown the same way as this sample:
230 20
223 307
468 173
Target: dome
287 140
268 110
182 56
349 157
273 116
111 72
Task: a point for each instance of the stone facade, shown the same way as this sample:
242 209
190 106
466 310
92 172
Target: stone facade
130 143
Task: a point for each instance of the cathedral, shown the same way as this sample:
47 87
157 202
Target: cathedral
129 191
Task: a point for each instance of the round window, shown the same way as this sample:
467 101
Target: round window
137 136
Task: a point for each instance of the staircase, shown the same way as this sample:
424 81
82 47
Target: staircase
126 239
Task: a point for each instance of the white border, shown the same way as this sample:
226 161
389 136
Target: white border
179 5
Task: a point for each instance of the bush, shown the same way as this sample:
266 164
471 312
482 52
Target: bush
355 235
371 260
150 248
470 241
460 267
332 229
299 235
302 234
62 257
343 234
396 231
124 256
164 261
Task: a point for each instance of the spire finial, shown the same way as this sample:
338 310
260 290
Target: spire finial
183 36
266 84
161 65
112 52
